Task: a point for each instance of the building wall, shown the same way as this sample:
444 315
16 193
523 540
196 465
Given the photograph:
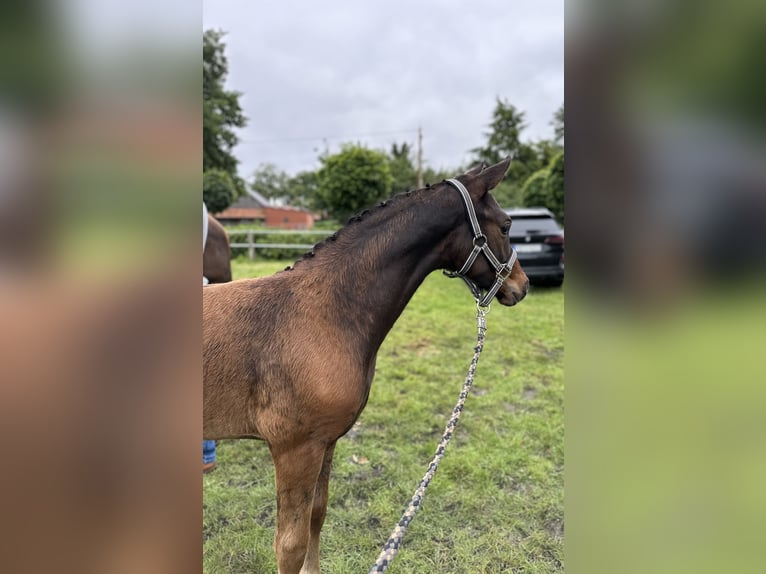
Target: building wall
286 218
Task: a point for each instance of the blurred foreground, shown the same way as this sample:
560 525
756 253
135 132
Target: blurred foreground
100 399
666 255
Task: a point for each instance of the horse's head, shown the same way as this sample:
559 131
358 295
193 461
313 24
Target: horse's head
481 251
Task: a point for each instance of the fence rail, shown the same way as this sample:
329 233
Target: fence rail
251 245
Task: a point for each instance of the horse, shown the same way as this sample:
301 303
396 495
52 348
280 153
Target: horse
216 257
216 268
290 358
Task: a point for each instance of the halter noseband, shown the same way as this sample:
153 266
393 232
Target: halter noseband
480 245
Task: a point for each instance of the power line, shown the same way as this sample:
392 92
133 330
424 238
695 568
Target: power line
322 138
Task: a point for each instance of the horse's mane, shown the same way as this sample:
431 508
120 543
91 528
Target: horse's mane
352 224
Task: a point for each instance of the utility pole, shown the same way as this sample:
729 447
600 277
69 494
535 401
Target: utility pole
420 157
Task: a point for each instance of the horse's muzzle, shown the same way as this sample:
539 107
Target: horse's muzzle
511 293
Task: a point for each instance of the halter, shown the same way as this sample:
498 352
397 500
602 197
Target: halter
480 245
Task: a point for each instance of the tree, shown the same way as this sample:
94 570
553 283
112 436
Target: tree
545 187
270 182
352 180
535 192
508 193
299 190
555 186
404 174
431 175
545 150
221 111
303 189
218 190
558 126
503 139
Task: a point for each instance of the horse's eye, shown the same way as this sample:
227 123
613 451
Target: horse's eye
505 229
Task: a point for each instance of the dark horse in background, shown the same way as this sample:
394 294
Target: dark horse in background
216 258
290 358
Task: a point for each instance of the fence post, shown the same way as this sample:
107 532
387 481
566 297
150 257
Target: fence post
250 245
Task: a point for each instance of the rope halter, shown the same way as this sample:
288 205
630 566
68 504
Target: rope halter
480 245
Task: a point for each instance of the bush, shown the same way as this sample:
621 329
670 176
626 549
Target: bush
534 192
508 194
277 253
545 187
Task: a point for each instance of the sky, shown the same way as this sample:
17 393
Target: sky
314 75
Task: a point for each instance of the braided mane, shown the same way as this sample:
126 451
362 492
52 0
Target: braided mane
360 217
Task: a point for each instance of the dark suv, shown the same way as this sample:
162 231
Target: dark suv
539 242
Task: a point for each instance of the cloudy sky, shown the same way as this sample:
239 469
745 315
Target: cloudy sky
316 74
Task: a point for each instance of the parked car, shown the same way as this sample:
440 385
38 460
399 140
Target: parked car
539 242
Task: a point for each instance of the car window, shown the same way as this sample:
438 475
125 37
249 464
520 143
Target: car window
523 225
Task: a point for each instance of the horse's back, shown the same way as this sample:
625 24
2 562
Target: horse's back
236 317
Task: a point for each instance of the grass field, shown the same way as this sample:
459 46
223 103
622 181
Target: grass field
496 502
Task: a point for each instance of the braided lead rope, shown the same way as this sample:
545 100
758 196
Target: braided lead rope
394 542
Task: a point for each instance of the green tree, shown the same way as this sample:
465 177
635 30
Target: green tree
545 187
303 189
270 182
352 180
299 190
221 111
404 174
431 175
555 186
508 193
558 126
218 190
503 139
535 192
545 150
528 159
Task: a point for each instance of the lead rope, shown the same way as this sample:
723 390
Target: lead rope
394 542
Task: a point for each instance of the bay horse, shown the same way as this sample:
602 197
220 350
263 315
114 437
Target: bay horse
290 358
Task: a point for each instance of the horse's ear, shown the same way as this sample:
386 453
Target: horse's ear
489 178
476 170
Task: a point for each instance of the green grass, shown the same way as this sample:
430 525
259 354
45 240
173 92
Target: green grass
496 501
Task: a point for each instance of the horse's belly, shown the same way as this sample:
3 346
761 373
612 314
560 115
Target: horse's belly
227 409
224 419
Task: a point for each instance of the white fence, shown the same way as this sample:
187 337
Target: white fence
251 234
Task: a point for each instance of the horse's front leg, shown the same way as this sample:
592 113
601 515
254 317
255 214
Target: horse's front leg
296 471
318 512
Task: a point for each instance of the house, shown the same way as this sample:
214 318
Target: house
288 217
253 207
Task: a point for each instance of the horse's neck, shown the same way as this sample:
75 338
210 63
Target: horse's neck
375 270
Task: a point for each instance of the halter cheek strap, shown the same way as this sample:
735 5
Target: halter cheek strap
480 245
